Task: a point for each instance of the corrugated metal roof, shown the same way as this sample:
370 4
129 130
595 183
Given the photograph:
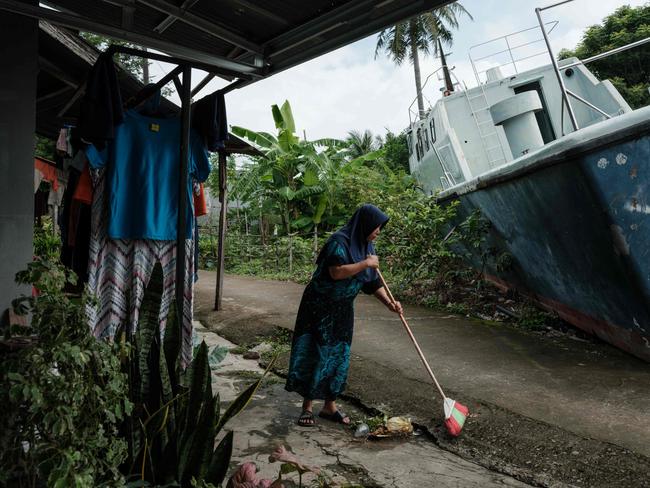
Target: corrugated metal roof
264 37
64 60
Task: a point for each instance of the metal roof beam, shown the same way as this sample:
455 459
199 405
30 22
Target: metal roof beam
363 15
209 61
253 7
174 60
319 25
170 19
49 67
367 16
207 79
203 25
53 94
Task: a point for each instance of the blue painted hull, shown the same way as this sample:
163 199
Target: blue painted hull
577 227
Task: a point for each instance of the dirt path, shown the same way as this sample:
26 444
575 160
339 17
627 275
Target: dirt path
547 411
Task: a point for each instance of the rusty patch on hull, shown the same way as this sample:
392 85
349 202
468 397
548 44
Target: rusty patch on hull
620 337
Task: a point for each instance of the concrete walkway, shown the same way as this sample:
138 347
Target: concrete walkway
268 421
591 390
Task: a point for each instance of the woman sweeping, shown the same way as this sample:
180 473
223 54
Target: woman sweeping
320 350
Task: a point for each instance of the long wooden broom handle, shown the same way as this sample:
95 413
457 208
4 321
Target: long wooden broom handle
415 343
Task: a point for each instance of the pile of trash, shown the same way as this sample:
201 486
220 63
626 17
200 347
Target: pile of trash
384 427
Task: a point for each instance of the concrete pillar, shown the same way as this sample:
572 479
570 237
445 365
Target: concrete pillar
19 55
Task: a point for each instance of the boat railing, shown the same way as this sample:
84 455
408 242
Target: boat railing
566 93
415 115
510 49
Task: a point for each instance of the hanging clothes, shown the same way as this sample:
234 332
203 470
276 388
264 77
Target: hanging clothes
119 270
200 203
135 164
143 169
84 191
44 170
210 120
62 142
101 105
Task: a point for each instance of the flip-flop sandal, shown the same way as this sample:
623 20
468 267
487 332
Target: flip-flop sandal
337 417
306 419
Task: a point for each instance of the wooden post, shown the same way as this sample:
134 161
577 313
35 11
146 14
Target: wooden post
182 192
222 229
290 253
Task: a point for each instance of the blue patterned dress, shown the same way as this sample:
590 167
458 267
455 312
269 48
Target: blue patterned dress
320 351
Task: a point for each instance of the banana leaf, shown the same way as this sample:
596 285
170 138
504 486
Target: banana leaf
261 139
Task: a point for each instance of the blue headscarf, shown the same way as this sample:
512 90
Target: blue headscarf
353 236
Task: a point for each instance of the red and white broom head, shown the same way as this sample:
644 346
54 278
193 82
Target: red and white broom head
455 416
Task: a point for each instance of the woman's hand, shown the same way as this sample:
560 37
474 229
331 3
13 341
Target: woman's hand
372 261
395 307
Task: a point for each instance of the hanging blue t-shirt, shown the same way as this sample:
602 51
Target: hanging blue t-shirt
143 169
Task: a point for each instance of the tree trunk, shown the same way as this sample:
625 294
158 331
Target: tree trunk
287 220
262 228
290 254
315 239
416 67
448 84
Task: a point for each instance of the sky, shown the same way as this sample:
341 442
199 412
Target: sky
348 89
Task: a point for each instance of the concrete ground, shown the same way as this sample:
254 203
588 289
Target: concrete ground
546 410
269 420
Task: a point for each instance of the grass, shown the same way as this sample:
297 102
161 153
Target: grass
533 318
238 350
253 376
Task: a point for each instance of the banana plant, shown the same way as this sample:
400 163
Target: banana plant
291 176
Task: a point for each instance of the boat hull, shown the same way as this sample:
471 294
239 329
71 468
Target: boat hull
577 230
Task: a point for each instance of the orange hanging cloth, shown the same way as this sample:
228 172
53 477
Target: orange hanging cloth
200 205
48 171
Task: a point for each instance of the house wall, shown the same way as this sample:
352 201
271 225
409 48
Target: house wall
19 54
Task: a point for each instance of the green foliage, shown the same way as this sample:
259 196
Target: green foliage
47 244
361 143
396 152
303 190
629 71
422 31
63 393
80 412
133 64
45 148
177 417
297 179
418 242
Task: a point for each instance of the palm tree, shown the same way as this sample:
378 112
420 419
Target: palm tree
426 33
361 143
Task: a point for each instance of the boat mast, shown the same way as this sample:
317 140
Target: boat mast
445 70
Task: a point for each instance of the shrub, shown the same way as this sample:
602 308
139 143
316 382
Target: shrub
63 393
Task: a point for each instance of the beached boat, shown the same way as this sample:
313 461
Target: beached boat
559 165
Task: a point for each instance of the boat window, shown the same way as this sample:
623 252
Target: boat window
418 145
426 140
432 129
409 142
542 116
